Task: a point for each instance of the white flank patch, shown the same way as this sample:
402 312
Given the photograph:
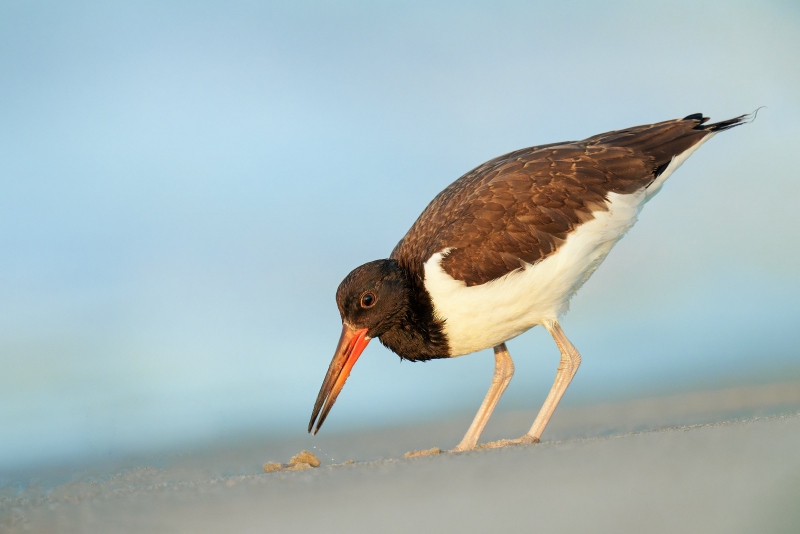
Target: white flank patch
484 316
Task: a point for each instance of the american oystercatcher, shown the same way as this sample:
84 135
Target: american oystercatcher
503 249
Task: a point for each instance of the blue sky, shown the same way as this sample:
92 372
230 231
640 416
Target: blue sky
184 185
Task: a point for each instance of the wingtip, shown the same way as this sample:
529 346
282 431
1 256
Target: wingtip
752 116
732 123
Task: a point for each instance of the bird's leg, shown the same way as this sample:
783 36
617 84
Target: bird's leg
503 371
570 360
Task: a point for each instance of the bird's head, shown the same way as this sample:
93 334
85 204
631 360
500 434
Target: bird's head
372 299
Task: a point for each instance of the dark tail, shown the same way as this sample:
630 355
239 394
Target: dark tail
722 125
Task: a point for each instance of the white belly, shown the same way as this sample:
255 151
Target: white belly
479 317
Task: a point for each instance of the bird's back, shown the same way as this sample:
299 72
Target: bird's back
519 208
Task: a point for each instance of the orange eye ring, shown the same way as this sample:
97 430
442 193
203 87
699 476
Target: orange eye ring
368 300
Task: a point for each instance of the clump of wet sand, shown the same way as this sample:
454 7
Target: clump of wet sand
305 457
298 462
272 466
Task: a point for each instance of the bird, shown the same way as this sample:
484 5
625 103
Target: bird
503 249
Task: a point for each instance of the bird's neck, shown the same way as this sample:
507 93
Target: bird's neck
417 335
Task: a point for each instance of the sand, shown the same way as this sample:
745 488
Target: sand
734 468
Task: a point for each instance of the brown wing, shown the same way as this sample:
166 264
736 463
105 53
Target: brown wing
521 206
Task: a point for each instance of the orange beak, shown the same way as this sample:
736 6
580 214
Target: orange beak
351 344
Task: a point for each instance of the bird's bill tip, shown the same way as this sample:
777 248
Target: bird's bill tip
352 343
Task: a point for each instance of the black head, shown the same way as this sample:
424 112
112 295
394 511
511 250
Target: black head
378 300
372 300
374 296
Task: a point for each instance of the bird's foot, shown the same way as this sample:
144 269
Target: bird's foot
524 440
498 444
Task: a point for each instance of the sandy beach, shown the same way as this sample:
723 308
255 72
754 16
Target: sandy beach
718 461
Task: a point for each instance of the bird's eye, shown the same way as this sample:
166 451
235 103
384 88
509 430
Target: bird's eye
368 300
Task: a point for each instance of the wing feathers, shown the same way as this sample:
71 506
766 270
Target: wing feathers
519 208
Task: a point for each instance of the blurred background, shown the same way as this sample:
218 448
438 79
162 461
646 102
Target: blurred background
184 185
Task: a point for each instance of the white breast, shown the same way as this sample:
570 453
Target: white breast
484 316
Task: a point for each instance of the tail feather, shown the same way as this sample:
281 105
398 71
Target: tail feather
722 125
